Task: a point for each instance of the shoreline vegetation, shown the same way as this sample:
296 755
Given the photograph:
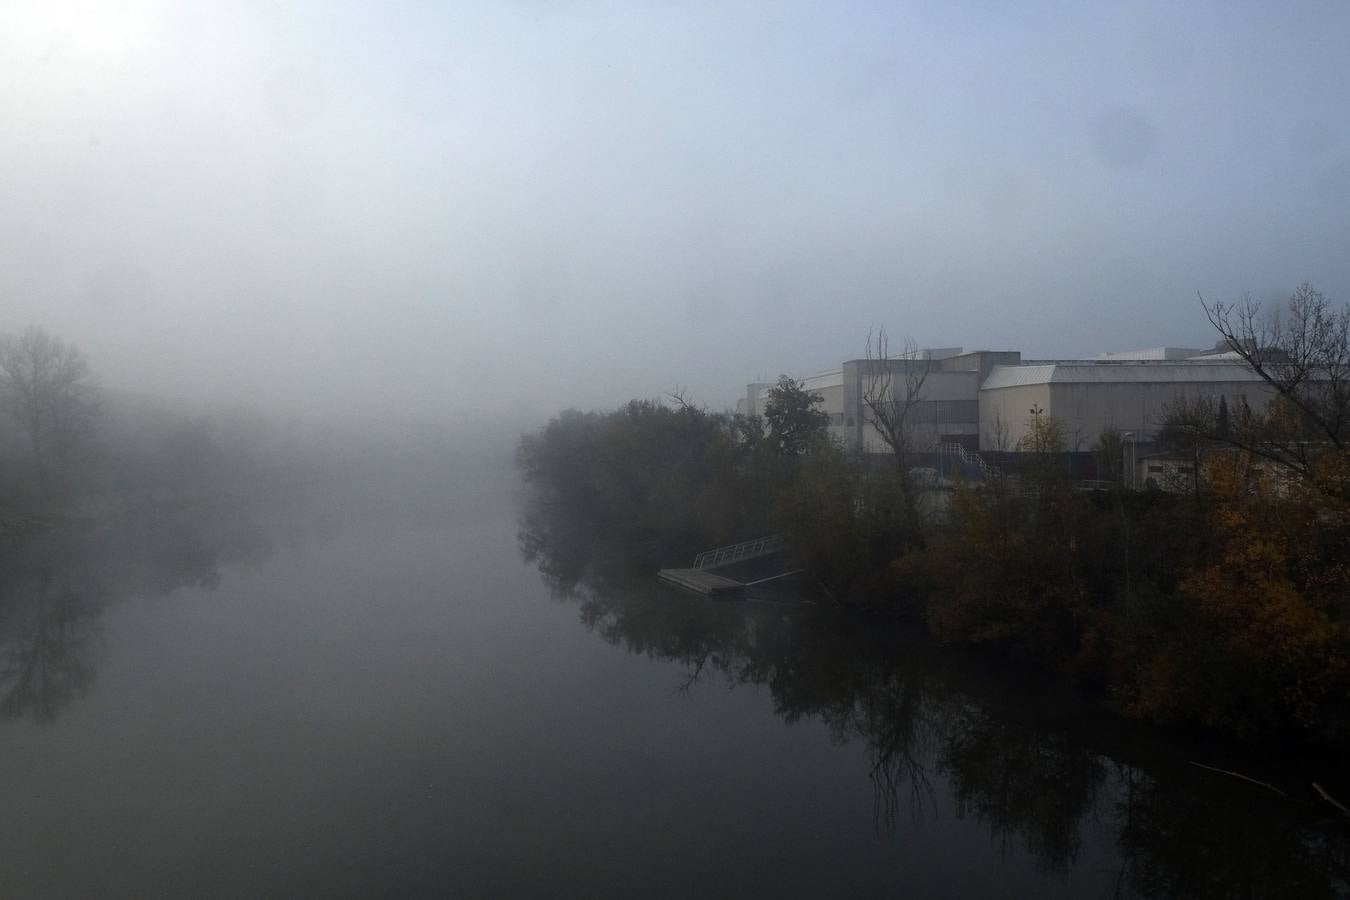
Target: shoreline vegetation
1224 606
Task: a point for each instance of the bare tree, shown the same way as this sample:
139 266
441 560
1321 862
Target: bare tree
891 390
1000 436
46 386
1191 427
1109 450
1302 353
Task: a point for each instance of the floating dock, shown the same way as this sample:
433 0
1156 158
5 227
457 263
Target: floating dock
701 580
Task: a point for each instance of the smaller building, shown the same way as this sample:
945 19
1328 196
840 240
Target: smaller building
1162 470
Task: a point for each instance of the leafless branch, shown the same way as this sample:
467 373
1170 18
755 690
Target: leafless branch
678 395
890 399
1330 799
1303 355
1239 775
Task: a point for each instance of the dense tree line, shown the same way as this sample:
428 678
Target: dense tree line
1226 604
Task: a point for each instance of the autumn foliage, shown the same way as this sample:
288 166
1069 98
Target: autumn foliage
1266 637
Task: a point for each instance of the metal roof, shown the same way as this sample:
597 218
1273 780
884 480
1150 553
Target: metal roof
1017 376
1218 354
1120 372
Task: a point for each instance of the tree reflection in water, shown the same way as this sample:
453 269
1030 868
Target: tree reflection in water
1009 754
46 648
53 594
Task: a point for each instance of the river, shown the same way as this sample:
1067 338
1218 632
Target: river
389 701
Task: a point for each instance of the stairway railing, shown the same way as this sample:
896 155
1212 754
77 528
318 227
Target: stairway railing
989 472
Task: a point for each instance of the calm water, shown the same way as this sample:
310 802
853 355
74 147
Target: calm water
383 704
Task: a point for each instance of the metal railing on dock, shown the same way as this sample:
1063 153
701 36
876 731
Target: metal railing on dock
724 556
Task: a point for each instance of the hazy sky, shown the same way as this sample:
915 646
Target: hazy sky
519 206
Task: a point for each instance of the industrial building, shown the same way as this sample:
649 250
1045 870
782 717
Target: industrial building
983 400
1088 397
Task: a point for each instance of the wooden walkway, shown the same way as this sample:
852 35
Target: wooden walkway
700 580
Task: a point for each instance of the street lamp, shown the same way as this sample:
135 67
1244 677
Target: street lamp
1130 454
1127 451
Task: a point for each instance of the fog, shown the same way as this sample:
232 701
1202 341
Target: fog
334 560
483 212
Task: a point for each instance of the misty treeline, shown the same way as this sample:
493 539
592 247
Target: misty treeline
67 442
1225 604
71 447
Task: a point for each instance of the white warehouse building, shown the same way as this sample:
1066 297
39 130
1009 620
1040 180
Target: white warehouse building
983 400
1088 397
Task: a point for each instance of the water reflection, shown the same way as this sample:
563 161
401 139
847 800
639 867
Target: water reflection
946 732
54 590
48 641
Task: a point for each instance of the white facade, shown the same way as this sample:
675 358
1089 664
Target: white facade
1088 397
984 400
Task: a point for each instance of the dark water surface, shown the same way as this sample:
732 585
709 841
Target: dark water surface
381 705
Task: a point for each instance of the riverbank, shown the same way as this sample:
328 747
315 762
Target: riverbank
1226 608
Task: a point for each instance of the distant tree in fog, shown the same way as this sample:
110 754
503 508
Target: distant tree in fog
46 386
793 417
